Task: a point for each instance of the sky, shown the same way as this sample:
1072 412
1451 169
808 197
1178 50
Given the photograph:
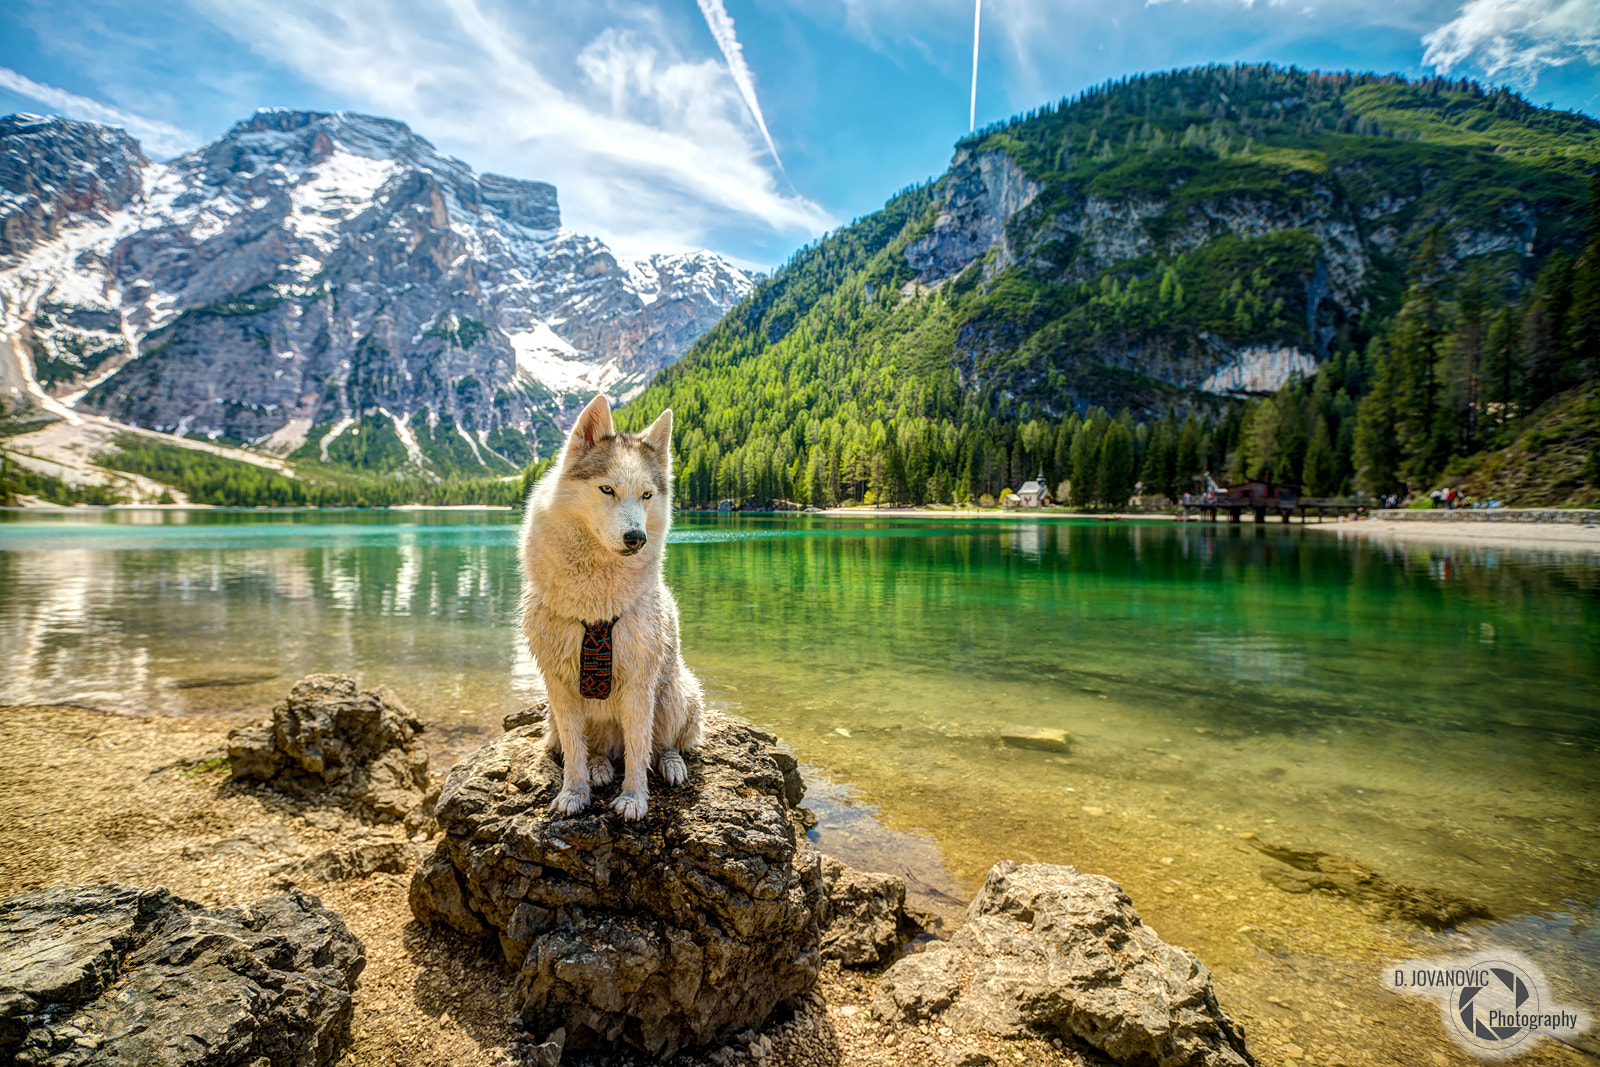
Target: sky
745 126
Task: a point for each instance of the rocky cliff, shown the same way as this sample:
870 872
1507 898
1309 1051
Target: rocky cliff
308 276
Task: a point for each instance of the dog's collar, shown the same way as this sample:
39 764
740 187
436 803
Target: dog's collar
594 660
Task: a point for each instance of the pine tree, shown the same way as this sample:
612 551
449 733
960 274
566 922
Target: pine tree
1189 455
1377 450
1582 361
1156 461
1086 464
1421 428
1502 366
1257 454
1321 472
1061 455
1116 466
816 487
1544 332
1472 327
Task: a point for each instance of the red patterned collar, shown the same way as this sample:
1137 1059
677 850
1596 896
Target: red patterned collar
594 661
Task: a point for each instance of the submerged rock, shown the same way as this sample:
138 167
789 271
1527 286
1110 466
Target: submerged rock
330 741
681 929
1043 738
119 975
1047 949
1309 870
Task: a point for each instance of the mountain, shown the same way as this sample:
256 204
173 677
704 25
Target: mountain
327 287
1160 243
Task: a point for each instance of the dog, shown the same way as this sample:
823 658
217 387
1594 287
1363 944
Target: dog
592 541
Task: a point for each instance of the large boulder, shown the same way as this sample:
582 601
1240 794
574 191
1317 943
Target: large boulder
680 929
1047 949
330 741
119 975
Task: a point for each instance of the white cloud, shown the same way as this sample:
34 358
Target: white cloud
1516 38
159 139
720 23
648 148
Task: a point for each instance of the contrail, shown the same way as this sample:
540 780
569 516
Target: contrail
972 115
721 27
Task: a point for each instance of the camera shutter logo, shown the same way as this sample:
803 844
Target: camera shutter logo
1495 1003
1480 1009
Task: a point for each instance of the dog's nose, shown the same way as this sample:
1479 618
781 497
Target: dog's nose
634 539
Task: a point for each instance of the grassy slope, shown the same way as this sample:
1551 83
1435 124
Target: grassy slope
1551 462
828 337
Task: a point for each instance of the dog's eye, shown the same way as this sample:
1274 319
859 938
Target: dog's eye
647 496
608 491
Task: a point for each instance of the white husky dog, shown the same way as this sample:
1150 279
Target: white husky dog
599 621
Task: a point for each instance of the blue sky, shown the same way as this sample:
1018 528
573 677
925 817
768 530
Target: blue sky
653 117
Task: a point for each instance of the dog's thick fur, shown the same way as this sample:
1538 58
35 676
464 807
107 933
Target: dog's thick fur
583 562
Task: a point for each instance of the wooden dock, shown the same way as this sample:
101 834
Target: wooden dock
1207 508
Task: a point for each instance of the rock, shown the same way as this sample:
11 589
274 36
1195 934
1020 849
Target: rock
328 741
547 1053
356 857
120 975
921 985
252 842
420 820
525 1050
333 820
525 717
1043 738
224 679
1308 870
680 929
965 1057
867 913
1049 950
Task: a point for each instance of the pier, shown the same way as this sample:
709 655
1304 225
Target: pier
1260 498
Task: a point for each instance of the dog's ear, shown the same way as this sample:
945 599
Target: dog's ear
594 422
659 435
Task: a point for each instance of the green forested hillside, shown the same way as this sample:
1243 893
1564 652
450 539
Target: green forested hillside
1067 288
210 479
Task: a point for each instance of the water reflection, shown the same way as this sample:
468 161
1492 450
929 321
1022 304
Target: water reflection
1244 673
1428 710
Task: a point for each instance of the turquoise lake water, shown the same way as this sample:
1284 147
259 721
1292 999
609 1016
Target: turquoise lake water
1431 711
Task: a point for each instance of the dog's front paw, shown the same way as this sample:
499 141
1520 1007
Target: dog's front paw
672 768
570 801
601 772
631 806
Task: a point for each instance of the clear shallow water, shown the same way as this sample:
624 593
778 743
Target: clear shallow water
1430 711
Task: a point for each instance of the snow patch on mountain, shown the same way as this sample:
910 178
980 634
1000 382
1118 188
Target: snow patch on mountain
543 357
333 192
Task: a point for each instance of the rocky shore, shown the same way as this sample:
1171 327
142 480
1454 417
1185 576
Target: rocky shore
479 931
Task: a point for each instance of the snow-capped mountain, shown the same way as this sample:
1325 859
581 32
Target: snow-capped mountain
307 275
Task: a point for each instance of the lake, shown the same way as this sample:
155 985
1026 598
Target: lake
1431 711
